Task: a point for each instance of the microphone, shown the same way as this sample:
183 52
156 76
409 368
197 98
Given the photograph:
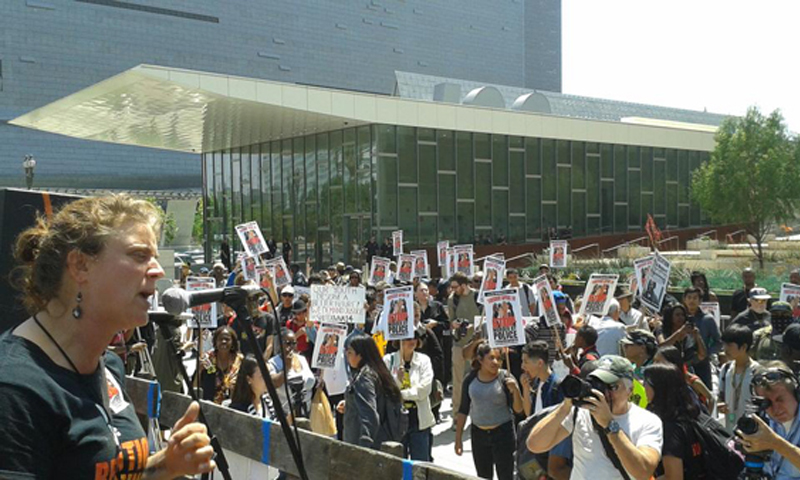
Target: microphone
177 300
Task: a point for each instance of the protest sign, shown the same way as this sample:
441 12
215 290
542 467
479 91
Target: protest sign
494 271
558 254
503 318
449 267
641 268
249 265
598 294
378 270
331 304
545 300
265 276
252 239
712 308
421 266
398 313
203 316
790 293
655 284
328 349
463 260
281 275
397 242
441 252
405 267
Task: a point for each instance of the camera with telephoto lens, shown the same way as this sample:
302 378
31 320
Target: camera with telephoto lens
578 389
747 424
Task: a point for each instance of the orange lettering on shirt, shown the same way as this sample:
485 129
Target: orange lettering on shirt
101 471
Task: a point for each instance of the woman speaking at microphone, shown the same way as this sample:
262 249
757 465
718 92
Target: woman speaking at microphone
85 274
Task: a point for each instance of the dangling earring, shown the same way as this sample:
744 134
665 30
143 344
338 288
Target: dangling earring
78 311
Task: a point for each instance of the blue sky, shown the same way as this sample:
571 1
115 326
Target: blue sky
719 55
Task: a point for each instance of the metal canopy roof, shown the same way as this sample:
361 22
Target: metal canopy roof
196 112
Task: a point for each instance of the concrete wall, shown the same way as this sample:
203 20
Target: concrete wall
51 48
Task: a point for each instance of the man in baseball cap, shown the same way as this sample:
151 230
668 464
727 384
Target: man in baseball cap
756 316
767 341
616 417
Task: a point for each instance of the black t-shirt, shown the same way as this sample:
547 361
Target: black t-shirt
53 421
680 441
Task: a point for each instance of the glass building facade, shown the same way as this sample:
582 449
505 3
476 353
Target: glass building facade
328 193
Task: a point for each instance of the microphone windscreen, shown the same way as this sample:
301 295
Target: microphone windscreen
175 300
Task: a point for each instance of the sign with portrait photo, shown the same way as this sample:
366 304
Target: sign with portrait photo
598 294
545 301
203 316
328 349
503 318
405 267
558 253
641 268
252 239
249 266
655 284
421 267
494 270
712 308
281 277
441 252
397 242
463 260
378 271
398 313
790 293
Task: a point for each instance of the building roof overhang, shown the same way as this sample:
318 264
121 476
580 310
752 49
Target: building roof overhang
194 112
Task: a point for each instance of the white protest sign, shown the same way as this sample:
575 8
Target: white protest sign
252 239
558 253
450 264
641 268
328 349
281 275
503 318
265 277
405 267
378 270
397 242
441 252
598 294
545 300
712 308
398 313
655 284
249 265
335 379
421 266
463 260
790 293
203 316
494 270
331 304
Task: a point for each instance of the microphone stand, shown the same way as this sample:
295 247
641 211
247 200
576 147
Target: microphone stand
222 462
236 298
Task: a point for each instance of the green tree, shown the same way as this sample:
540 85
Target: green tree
752 177
169 228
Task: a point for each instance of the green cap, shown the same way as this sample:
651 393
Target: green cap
611 368
781 307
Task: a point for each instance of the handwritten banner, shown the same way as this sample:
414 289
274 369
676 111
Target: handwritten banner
331 304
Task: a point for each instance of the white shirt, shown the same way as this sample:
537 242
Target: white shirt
609 333
643 428
275 365
634 318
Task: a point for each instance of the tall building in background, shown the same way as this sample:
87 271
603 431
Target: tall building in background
52 48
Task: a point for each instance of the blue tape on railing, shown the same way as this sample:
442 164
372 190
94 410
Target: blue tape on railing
266 428
154 400
408 473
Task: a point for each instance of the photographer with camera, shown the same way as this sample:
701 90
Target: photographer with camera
780 433
462 307
629 436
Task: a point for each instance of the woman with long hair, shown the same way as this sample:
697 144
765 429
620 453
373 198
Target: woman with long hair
489 395
700 281
220 366
684 335
250 392
668 397
670 355
365 401
299 375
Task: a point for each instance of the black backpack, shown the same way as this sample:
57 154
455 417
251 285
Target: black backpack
721 461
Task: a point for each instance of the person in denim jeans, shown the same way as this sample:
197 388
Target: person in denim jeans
413 374
488 396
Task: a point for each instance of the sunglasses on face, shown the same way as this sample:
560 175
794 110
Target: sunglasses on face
286 295
290 343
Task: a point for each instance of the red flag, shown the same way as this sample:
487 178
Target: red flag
652 231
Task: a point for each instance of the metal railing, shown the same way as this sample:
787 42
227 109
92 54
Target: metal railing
586 247
714 232
674 237
508 260
729 237
624 244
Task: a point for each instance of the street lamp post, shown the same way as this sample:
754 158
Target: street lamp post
29 164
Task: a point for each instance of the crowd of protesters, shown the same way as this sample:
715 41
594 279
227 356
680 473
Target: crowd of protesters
632 393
